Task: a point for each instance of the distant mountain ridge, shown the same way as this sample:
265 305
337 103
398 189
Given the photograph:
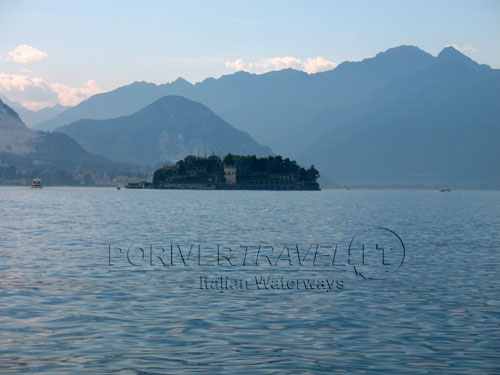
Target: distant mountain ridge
325 118
266 105
167 130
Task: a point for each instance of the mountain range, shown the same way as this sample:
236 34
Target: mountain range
287 110
438 126
167 130
56 157
403 117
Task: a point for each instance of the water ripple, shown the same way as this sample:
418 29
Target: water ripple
62 311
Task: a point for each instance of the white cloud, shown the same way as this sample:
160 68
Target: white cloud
36 93
25 70
311 65
24 53
319 64
74 95
237 64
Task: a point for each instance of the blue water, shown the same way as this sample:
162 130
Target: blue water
72 303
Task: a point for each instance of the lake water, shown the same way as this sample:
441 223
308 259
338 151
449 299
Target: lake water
95 280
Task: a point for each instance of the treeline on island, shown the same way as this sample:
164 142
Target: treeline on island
253 168
233 172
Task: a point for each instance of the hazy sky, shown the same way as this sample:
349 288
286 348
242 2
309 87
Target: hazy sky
64 51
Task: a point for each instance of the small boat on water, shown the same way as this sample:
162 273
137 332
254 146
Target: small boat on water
445 190
36 183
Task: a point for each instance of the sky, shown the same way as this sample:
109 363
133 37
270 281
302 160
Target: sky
62 52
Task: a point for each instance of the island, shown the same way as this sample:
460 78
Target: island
233 172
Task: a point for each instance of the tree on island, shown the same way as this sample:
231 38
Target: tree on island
228 159
312 173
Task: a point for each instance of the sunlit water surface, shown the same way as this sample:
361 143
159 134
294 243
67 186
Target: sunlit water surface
65 310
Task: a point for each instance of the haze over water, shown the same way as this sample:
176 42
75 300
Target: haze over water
63 309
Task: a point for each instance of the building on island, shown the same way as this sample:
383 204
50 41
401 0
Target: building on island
230 174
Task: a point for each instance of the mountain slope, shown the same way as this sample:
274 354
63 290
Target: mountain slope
436 127
54 156
15 138
31 118
168 129
18 142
